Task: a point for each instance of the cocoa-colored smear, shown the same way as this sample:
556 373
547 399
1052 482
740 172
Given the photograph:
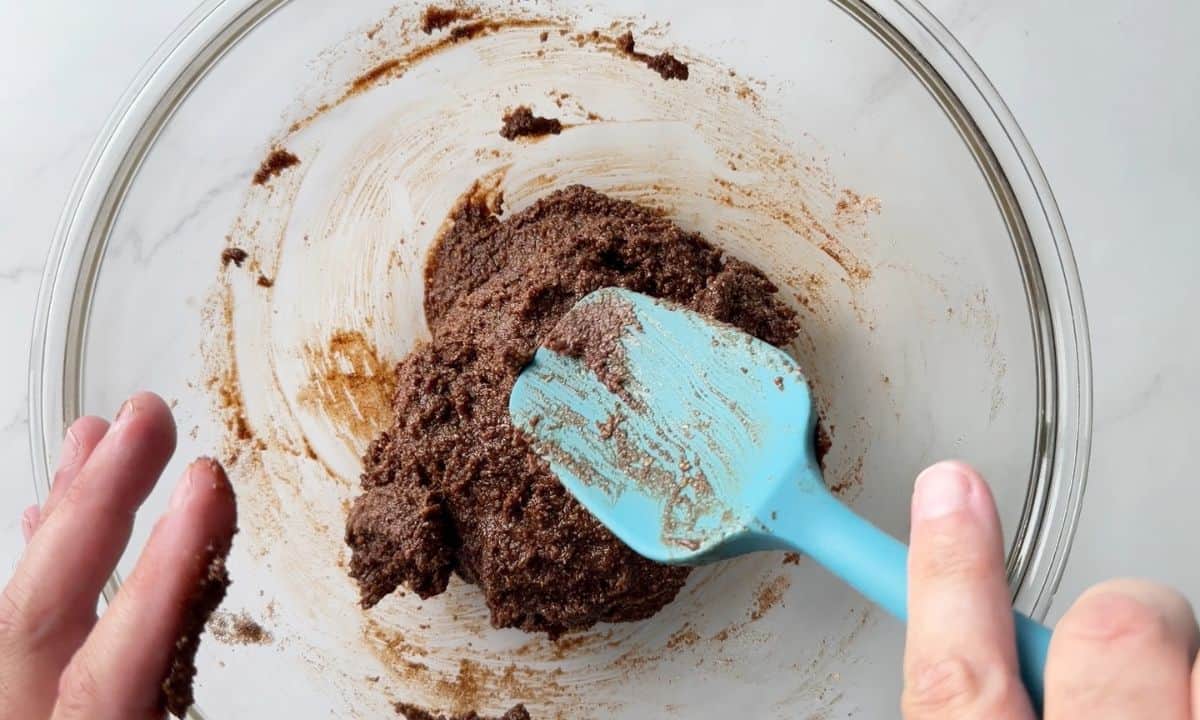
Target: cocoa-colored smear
521 122
349 382
373 75
452 485
822 442
665 64
239 629
412 712
278 161
234 255
395 67
176 689
436 18
224 381
471 30
769 595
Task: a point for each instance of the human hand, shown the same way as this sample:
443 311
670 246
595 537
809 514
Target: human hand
56 658
1125 649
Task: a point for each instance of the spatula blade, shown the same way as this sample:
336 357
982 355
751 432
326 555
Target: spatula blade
669 427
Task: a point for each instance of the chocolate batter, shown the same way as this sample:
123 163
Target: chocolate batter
521 122
177 694
593 333
452 486
275 163
234 255
665 64
436 18
411 712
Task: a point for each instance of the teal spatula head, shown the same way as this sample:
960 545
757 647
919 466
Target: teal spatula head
675 430
692 441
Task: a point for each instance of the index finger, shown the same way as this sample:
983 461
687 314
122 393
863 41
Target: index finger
960 656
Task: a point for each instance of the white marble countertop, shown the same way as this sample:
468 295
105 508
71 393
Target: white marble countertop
1105 91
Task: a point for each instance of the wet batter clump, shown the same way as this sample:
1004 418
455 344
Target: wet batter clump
665 64
452 486
275 163
436 18
234 255
593 334
521 122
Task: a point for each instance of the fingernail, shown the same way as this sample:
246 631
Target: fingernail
70 449
183 491
940 491
128 408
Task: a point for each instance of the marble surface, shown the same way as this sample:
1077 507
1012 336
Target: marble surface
1105 91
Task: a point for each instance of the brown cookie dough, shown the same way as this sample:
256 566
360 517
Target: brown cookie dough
275 163
521 122
177 693
593 333
436 18
665 64
452 486
234 255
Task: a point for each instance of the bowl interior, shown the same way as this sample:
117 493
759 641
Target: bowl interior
811 151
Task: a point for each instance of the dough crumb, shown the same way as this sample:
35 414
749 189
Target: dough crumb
234 255
665 64
521 122
278 161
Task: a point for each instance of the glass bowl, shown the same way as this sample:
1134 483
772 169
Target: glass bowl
852 150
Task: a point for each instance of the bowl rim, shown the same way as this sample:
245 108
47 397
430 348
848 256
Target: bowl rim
1063 433
1063 426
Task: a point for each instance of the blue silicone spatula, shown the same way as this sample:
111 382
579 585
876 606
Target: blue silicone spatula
692 442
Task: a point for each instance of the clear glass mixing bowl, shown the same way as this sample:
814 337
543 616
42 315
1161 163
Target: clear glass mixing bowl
852 149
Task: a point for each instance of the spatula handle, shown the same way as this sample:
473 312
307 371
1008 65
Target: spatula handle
876 564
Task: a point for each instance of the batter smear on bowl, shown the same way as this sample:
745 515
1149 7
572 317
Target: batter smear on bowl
452 486
412 712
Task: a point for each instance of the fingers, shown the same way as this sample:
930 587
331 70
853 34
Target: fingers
1125 649
78 542
1196 689
120 668
960 653
80 441
49 605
